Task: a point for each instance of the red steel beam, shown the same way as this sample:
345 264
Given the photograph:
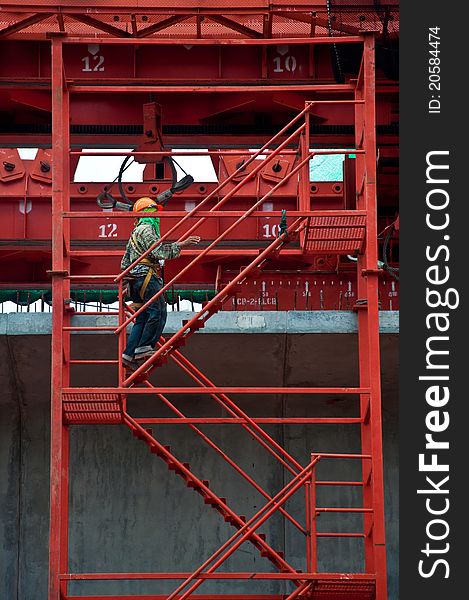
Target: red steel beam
162 25
239 421
97 24
247 31
373 426
196 597
206 89
19 25
332 391
58 528
302 589
291 41
361 577
159 7
230 152
220 214
321 21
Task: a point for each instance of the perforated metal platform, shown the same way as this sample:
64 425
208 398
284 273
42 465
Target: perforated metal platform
342 590
338 234
91 408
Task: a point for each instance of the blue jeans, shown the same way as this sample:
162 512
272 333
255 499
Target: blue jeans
149 325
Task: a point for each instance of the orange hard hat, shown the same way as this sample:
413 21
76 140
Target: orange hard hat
143 203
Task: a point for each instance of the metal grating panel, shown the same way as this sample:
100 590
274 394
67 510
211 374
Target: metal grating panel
284 27
365 15
345 17
343 590
184 29
75 27
336 234
91 408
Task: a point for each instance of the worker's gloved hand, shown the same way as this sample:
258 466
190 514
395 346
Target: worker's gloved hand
192 240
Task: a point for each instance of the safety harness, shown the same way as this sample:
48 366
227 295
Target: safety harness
153 268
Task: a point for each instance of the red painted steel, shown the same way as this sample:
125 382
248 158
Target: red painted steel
225 457
86 408
337 232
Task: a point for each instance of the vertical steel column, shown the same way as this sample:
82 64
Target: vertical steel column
377 475
121 340
363 346
304 186
312 518
59 440
368 324
309 568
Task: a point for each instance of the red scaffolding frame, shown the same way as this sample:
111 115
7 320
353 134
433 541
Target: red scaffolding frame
339 232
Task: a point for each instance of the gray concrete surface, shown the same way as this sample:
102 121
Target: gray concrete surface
127 512
320 321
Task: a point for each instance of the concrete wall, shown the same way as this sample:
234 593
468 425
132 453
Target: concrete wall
127 512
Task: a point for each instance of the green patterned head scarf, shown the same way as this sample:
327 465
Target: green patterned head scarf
154 221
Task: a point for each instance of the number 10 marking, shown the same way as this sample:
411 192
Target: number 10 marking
290 64
270 231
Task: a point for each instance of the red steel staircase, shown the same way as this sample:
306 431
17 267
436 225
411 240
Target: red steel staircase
315 232
209 497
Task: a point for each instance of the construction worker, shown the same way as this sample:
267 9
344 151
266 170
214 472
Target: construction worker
145 280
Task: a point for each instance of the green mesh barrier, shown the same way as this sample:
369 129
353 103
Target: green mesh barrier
328 167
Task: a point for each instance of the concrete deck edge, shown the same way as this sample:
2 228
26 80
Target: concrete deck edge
271 322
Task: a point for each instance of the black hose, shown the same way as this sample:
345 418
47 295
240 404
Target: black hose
119 181
106 200
393 271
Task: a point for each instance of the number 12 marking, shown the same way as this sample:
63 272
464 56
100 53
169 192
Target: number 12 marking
108 230
98 59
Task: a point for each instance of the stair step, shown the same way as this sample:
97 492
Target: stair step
214 501
196 486
139 435
156 450
219 504
173 467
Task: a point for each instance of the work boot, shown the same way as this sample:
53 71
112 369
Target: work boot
143 352
129 362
